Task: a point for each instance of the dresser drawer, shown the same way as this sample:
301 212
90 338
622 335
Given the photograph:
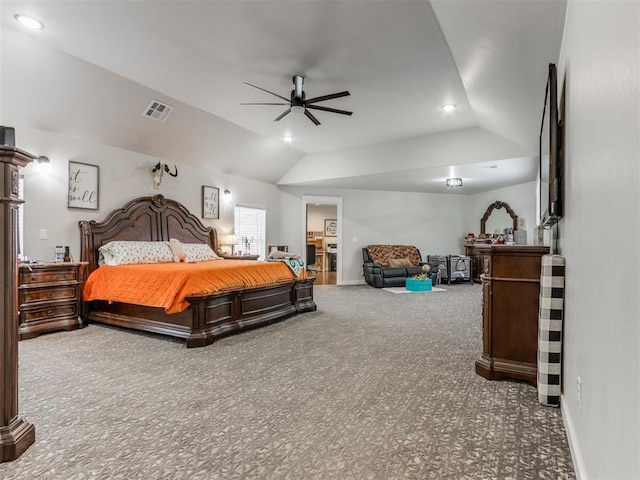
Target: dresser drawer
48 276
35 295
49 312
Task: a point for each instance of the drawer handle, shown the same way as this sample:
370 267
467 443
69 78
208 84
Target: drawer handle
49 294
49 313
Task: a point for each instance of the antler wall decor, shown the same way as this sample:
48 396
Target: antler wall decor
158 171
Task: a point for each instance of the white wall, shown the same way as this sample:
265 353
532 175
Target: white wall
434 223
521 198
600 60
124 176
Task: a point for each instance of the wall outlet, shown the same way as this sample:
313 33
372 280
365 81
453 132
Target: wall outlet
579 391
44 234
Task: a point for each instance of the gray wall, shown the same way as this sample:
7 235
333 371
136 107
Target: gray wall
433 222
600 62
123 176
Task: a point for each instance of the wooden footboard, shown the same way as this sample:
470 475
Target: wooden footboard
213 316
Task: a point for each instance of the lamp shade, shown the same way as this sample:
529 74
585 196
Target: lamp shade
229 239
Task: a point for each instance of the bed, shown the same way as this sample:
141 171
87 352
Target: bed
208 317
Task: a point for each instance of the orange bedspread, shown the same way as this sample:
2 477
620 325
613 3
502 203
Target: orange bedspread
167 284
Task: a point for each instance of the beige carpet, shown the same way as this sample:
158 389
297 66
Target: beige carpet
371 386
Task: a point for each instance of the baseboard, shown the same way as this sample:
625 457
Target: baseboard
576 454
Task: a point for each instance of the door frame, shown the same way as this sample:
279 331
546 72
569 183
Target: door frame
324 200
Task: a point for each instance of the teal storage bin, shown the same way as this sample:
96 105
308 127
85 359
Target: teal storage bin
416 285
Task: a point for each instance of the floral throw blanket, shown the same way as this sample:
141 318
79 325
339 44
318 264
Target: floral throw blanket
291 260
383 254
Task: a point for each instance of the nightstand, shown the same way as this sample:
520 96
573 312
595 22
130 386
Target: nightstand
49 296
240 257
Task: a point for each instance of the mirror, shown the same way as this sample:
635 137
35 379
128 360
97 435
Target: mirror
498 216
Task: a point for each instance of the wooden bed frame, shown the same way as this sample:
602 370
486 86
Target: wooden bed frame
210 316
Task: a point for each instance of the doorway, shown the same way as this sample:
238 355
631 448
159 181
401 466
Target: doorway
322 220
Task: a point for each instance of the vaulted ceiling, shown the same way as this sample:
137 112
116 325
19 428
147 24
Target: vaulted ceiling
95 66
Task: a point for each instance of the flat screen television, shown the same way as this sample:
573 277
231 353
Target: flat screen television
549 175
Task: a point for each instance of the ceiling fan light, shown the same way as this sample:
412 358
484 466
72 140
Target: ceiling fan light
453 182
297 109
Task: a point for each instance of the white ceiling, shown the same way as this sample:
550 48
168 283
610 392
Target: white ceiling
401 60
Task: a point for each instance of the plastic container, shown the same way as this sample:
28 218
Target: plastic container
416 285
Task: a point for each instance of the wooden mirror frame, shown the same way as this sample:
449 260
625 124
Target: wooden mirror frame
494 206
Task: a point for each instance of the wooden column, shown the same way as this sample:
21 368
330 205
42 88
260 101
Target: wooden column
16 434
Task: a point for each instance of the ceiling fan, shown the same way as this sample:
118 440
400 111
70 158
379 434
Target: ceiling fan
299 103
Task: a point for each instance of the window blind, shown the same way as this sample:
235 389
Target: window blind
249 226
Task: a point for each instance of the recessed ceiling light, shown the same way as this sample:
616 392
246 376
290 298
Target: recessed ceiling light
287 139
450 107
29 22
453 182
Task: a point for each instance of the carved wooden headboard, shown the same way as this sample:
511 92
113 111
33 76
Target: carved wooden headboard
143 219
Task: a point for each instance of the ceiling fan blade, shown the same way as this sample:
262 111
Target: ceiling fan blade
286 112
259 88
264 104
328 97
327 109
311 117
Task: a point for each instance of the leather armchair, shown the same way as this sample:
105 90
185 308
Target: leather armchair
377 269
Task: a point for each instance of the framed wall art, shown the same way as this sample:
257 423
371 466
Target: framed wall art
84 186
210 202
330 227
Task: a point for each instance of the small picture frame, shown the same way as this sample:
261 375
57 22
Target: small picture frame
330 227
210 202
84 186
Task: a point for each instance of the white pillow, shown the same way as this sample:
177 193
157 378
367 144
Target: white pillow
278 255
127 253
179 255
199 252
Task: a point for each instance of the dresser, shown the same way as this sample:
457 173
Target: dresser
49 296
510 297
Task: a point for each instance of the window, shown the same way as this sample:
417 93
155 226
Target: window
249 229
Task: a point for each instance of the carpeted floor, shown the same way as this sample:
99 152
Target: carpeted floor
371 386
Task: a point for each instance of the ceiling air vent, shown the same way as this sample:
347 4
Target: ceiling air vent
158 111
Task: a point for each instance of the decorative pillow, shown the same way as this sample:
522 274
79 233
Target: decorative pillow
400 262
127 253
278 255
199 252
179 255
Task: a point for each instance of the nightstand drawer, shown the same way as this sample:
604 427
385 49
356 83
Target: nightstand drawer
35 295
49 312
48 276
49 296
